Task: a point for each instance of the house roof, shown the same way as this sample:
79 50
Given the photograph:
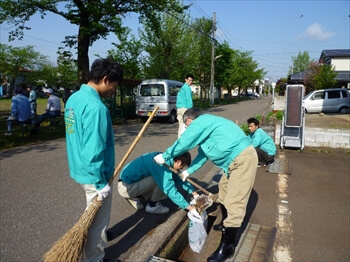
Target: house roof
342 76
326 55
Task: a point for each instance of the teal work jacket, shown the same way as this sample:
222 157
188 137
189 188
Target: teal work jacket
184 97
89 138
144 166
219 140
263 141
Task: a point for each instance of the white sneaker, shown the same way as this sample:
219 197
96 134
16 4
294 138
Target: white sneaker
157 209
8 134
135 203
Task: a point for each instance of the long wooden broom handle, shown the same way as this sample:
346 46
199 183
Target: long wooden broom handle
187 179
138 137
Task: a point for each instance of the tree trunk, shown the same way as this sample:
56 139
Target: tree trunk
83 57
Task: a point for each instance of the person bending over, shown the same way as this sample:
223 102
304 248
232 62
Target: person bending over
144 178
225 144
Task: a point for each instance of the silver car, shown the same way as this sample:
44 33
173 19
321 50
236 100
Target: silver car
333 100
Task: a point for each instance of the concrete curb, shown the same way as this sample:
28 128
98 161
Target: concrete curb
321 137
155 240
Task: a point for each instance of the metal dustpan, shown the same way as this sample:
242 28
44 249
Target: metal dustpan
201 202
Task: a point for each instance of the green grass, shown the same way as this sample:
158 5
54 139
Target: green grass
17 139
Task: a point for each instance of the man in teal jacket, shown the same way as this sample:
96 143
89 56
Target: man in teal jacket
143 177
184 101
263 143
225 144
90 147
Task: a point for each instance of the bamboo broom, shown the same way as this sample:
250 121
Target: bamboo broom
70 246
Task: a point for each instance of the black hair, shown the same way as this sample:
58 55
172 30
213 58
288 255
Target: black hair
185 159
192 113
253 120
189 75
105 67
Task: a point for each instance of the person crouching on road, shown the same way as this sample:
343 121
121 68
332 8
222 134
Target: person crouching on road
225 144
263 143
144 178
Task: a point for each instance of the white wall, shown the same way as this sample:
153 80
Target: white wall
341 64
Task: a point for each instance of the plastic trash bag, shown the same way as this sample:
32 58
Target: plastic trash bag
197 233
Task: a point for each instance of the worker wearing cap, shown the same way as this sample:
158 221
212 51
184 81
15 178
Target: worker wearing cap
225 144
53 107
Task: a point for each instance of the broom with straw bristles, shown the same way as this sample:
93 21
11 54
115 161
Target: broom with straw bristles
70 246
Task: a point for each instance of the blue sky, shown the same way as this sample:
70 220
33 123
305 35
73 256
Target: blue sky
273 30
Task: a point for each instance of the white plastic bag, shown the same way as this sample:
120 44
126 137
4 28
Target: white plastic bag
197 233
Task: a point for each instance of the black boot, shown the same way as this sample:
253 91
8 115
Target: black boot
218 227
227 244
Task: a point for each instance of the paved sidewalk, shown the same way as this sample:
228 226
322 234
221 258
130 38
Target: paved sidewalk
308 208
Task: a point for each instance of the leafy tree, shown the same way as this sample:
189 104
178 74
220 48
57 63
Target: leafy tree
245 70
66 70
300 63
281 86
128 54
320 76
168 46
95 19
202 52
224 66
14 59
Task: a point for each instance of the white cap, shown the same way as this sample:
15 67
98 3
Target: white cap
48 90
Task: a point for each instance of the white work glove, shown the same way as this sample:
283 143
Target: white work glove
194 200
183 129
159 159
184 175
195 216
103 193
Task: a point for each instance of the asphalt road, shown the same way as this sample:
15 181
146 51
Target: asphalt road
39 201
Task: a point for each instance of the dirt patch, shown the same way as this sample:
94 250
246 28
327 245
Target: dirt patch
336 121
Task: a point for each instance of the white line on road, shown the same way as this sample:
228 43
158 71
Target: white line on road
284 235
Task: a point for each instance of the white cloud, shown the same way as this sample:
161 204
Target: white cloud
316 32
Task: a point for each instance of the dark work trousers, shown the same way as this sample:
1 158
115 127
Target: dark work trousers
263 157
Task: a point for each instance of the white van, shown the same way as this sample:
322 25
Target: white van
327 100
157 92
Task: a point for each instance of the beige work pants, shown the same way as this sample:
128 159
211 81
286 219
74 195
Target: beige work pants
146 187
180 114
235 189
97 238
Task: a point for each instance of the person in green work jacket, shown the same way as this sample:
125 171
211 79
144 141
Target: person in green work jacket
225 144
184 101
143 177
90 147
263 143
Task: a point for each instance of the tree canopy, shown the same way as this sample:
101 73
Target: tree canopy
13 60
320 76
301 62
95 19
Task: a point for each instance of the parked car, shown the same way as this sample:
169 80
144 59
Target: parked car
336 100
157 92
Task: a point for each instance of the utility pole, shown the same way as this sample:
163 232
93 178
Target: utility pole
212 62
